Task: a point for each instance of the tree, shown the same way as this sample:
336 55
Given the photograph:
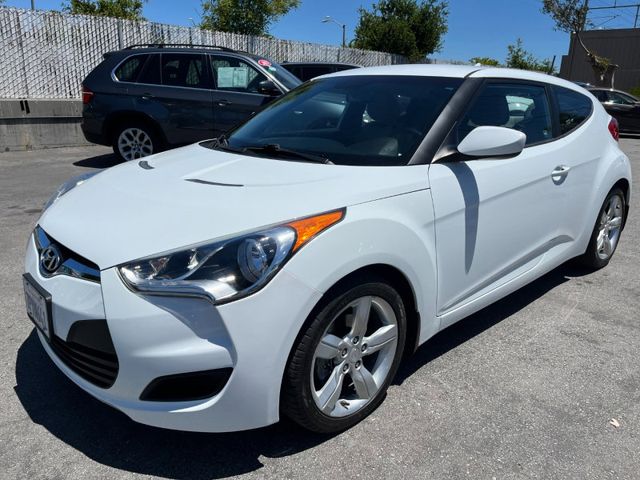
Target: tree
404 27
518 57
488 61
571 17
250 17
127 9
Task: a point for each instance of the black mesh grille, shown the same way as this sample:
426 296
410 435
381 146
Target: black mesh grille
89 352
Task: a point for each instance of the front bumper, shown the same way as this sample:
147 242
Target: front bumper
160 336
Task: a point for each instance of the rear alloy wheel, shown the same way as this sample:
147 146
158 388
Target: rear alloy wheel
347 357
132 142
606 233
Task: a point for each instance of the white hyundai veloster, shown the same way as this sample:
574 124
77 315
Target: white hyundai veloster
287 267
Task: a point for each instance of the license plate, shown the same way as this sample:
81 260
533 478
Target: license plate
38 303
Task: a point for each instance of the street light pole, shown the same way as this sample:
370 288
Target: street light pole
33 4
328 19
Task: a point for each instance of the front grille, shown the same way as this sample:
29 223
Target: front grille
71 263
89 352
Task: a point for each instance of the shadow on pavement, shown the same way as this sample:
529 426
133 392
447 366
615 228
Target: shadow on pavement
110 438
101 161
464 330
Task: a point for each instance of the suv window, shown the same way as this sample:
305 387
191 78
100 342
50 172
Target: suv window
573 107
235 75
184 70
151 72
128 70
518 106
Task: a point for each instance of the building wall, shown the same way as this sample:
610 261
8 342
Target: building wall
621 46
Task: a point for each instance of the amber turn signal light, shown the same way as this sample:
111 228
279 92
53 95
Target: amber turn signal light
309 227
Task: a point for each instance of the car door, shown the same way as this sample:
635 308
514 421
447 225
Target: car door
175 90
236 96
496 218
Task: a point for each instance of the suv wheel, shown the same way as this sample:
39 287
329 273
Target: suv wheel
135 140
340 370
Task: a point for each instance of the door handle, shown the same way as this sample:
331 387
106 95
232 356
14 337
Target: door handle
223 103
560 172
147 96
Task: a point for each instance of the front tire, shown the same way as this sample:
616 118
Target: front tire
345 358
606 232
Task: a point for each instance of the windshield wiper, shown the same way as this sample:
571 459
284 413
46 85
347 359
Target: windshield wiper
275 149
221 143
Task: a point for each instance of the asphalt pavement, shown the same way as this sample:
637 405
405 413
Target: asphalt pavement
544 384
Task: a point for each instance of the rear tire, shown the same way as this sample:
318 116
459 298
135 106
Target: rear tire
606 232
134 140
332 385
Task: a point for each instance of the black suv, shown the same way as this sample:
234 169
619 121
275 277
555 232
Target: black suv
146 98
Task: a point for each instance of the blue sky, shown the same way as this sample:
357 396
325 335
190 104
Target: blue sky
476 27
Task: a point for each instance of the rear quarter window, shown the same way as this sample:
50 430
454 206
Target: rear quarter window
573 108
130 68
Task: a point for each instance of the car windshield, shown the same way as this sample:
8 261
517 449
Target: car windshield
282 74
370 120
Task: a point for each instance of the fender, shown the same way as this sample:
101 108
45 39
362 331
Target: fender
398 232
609 173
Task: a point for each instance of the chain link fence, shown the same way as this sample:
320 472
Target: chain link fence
48 54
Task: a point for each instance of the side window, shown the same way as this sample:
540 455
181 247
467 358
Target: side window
184 70
573 107
517 106
600 95
128 70
615 97
151 72
235 75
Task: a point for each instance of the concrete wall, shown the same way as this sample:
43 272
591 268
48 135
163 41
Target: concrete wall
35 124
621 46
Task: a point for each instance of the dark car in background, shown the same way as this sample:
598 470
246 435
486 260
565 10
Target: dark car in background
308 70
623 106
147 98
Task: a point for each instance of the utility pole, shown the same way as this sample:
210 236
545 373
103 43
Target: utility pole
33 4
328 19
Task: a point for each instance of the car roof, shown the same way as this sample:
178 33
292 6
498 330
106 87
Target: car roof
458 71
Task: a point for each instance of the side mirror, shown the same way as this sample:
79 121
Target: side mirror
267 87
492 142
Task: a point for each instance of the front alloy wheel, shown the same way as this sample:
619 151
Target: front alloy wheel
345 360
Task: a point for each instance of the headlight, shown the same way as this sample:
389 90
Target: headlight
67 186
228 269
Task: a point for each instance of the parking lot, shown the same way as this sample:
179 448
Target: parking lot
544 384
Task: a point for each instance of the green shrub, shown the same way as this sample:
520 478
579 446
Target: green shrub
635 91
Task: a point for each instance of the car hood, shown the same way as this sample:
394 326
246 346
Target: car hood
194 194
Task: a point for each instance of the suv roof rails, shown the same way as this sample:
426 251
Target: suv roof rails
187 45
